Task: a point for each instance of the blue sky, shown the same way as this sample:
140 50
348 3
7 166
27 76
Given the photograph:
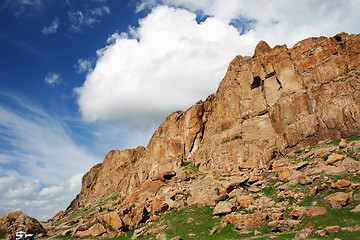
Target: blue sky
81 77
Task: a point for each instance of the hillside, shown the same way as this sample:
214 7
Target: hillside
267 105
252 160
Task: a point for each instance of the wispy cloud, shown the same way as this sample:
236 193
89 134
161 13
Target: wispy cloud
52 28
83 65
40 165
20 6
81 19
52 79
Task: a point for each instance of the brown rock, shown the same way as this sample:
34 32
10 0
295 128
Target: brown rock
244 201
261 48
342 143
333 229
156 230
245 221
337 200
300 165
96 230
298 213
304 180
321 232
187 175
276 216
113 220
190 235
303 233
284 174
341 184
223 208
158 206
176 238
309 225
214 230
314 191
316 211
82 234
335 159
277 164
282 225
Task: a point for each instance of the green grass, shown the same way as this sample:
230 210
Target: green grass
191 166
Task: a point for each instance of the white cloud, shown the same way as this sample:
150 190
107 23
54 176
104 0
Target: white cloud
41 165
80 19
173 59
166 64
52 79
52 28
83 65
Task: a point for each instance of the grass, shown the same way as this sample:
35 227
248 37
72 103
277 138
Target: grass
232 139
191 166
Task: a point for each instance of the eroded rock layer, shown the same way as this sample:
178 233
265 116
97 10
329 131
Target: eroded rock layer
267 105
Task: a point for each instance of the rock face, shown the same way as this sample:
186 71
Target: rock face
281 99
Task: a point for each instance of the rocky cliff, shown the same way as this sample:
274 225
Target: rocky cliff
279 100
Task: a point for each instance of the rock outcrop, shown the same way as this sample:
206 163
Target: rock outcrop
18 221
277 101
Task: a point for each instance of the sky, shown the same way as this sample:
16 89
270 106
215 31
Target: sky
79 78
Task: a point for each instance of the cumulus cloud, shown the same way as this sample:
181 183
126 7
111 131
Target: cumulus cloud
52 79
179 52
52 28
40 163
168 63
80 19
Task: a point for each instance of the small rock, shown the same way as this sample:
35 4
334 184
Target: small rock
300 165
337 200
335 159
342 143
356 209
304 180
276 216
309 225
321 232
298 213
256 232
191 235
303 233
323 187
333 229
223 208
284 174
282 225
316 211
242 233
314 191
190 220
341 184
214 230
177 238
